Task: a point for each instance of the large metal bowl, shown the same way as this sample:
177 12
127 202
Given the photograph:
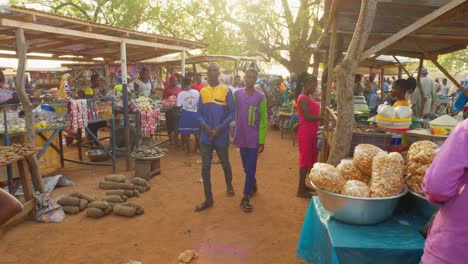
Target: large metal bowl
357 210
423 206
97 155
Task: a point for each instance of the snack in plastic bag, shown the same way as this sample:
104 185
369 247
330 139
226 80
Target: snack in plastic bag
327 177
386 111
363 155
387 175
349 171
403 111
423 152
356 189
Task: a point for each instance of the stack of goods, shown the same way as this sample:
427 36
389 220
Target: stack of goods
152 152
360 103
149 111
78 114
399 118
168 104
14 123
371 173
103 110
120 182
75 202
10 154
420 156
443 126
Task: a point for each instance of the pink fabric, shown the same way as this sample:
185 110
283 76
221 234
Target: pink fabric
307 134
445 183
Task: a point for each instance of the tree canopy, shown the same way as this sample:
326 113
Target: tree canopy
281 30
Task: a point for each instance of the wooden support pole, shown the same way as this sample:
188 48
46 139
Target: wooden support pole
106 75
182 66
400 72
331 64
316 63
194 67
420 23
33 164
123 68
420 89
236 67
382 84
401 67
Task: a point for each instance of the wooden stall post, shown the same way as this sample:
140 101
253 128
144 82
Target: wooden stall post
194 68
382 84
33 164
420 89
399 72
316 63
182 66
236 67
106 75
401 67
123 68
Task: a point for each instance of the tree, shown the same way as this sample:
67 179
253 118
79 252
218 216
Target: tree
277 30
345 82
456 62
121 13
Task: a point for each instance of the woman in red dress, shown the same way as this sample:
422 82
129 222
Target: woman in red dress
309 123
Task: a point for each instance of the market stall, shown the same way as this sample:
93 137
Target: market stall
70 39
373 199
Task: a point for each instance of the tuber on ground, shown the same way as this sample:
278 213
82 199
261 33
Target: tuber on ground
139 208
99 204
108 185
87 197
114 199
139 181
71 209
83 204
69 200
121 210
115 178
94 212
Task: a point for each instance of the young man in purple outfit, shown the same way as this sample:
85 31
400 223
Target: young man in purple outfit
251 128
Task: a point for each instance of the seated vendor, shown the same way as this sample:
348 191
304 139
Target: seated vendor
399 90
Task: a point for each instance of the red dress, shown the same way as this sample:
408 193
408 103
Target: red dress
307 134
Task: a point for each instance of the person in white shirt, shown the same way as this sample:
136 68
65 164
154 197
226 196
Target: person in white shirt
428 99
187 101
445 87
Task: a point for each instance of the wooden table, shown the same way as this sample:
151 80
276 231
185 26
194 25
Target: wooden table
406 133
29 205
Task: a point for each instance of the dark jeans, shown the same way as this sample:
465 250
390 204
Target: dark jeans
207 157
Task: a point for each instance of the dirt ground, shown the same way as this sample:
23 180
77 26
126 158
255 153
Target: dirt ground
223 234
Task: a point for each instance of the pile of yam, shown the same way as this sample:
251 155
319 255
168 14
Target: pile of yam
75 202
129 188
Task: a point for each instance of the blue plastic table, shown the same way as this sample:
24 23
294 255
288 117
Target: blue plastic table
326 240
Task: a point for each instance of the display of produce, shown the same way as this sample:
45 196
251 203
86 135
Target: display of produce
443 125
356 189
149 152
420 156
363 156
167 104
349 171
327 177
387 174
149 112
15 152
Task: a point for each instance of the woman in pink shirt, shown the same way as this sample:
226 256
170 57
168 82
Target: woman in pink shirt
444 184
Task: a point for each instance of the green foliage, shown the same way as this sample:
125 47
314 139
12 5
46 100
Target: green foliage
456 62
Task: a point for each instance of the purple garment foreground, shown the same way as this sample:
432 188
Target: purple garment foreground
445 184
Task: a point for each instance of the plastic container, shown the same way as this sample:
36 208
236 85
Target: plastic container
400 124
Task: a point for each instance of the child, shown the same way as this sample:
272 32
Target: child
187 101
251 127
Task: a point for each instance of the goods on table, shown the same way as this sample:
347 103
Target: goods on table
349 171
443 125
149 152
167 104
363 156
356 189
15 152
387 175
403 112
420 156
398 118
327 177
149 111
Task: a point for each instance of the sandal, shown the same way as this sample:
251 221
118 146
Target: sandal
203 206
245 205
230 192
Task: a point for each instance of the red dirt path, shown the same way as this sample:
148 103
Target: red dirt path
223 234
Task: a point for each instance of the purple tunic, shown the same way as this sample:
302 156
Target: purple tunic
251 119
